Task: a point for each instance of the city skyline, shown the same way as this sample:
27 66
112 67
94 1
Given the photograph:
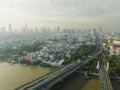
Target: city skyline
64 13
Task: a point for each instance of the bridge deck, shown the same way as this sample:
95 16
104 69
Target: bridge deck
51 78
105 83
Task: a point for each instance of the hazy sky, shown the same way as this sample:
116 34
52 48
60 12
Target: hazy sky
65 13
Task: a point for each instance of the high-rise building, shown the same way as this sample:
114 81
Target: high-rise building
58 29
2 30
10 27
26 27
100 29
36 29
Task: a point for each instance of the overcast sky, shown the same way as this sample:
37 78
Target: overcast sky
65 13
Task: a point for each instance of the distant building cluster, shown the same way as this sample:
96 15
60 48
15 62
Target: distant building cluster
56 45
113 43
115 48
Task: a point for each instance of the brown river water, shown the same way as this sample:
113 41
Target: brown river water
76 81
13 76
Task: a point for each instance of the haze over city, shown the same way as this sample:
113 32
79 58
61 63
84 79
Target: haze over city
59 44
64 13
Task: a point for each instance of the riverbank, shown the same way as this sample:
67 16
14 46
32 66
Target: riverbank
13 76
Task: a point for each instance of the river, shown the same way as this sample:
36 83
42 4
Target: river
12 76
76 81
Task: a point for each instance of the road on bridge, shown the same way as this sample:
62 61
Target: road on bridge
104 80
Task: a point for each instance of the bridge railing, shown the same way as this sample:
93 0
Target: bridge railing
46 80
104 81
51 81
35 80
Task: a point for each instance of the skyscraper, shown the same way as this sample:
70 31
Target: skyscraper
100 29
26 27
10 27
